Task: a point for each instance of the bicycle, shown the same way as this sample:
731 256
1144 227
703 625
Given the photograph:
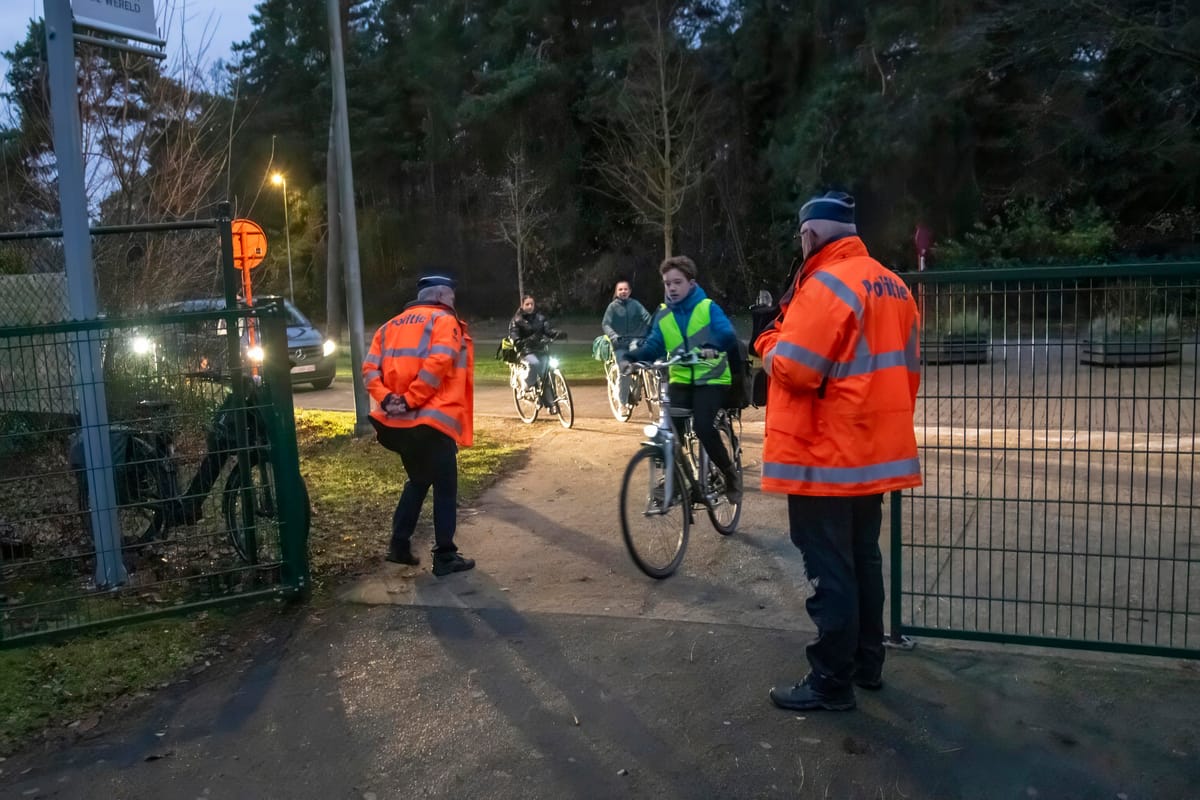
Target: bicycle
660 491
550 391
146 474
642 386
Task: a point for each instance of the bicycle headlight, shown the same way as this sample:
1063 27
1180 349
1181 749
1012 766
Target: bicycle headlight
329 347
650 431
553 363
141 345
255 354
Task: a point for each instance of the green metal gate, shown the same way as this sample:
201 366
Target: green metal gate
1057 422
210 503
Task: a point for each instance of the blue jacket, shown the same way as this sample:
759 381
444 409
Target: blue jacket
722 329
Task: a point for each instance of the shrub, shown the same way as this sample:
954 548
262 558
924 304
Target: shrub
1112 326
965 324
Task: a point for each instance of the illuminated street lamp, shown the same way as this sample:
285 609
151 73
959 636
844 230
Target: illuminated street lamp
281 181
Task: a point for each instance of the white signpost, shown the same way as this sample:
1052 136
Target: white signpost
133 19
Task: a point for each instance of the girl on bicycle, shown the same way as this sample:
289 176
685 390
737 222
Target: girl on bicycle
531 334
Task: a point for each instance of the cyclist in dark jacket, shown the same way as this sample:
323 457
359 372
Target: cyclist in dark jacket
530 332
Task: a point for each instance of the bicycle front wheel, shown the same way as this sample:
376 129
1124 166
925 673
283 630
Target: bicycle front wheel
654 527
250 506
527 405
563 406
650 387
724 514
612 374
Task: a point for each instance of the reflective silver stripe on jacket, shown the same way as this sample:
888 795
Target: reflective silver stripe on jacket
431 413
843 292
844 475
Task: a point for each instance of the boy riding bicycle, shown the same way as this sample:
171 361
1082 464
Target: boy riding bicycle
690 320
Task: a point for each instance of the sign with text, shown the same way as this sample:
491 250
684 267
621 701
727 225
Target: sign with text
133 19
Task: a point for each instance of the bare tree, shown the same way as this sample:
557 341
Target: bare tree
152 153
652 152
521 213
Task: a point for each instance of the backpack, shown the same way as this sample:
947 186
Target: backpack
602 348
507 351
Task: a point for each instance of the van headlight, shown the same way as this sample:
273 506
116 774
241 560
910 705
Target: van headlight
328 348
255 354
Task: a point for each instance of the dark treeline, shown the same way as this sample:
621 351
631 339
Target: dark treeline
586 138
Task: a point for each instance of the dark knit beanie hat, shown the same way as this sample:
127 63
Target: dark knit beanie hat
836 206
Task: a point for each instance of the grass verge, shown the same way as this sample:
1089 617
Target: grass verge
62 690
575 361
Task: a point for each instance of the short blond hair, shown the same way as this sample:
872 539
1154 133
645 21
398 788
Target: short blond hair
681 263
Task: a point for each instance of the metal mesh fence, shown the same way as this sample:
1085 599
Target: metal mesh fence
1058 421
195 469
136 271
201 443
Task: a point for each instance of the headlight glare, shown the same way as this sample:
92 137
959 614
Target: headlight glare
329 347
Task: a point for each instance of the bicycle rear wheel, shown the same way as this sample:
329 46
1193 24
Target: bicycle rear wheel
654 527
724 514
612 375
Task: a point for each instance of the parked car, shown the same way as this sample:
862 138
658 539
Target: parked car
311 356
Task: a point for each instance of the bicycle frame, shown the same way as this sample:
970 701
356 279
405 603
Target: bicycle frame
662 437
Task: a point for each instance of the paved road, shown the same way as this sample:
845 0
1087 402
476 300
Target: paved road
494 400
556 670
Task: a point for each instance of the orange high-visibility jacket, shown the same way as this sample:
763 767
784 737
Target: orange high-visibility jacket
425 355
844 368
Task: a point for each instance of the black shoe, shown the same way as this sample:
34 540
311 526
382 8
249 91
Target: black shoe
446 563
803 697
402 556
869 680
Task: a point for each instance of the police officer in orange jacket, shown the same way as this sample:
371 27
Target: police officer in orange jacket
420 372
843 369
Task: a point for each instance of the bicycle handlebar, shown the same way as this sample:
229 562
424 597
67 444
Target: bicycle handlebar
689 358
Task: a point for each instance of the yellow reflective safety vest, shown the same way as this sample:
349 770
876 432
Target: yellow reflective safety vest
709 372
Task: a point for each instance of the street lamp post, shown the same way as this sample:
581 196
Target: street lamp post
281 181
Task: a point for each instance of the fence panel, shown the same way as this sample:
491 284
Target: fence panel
1057 418
202 442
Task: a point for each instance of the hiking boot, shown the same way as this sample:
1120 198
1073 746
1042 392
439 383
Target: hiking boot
733 486
446 563
803 697
402 555
870 680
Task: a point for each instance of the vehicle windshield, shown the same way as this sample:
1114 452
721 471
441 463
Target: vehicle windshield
295 316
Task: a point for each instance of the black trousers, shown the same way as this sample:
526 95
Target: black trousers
839 539
430 458
703 402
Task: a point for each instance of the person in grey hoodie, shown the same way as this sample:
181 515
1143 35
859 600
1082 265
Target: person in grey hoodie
625 322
